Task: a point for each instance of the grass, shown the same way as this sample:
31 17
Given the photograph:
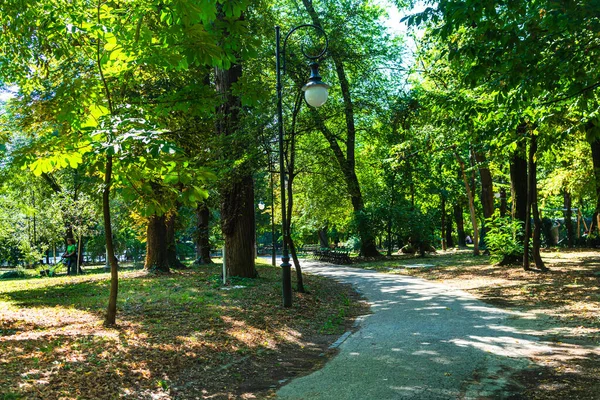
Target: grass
173 330
563 306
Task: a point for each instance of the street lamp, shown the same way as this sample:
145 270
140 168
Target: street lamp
315 94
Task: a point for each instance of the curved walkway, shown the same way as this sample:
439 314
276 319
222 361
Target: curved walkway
422 341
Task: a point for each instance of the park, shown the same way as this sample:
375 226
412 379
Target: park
234 199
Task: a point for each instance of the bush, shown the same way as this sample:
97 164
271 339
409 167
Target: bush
17 273
353 243
504 239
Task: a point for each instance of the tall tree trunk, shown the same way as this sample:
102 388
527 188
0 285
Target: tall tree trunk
368 247
443 222
595 146
202 235
460 225
568 216
173 260
299 279
238 226
487 190
518 183
156 245
503 205
323 239
449 240
471 204
347 162
111 312
532 202
237 193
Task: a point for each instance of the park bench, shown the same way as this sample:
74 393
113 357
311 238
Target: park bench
336 256
308 249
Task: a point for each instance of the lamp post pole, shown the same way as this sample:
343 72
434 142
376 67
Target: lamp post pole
273 241
315 95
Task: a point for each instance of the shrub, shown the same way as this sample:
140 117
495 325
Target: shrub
504 239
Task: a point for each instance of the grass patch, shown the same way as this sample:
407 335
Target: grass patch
173 330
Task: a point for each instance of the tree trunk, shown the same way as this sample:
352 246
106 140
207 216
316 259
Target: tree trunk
487 190
237 193
471 204
111 312
518 183
503 205
172 259
323 239
568 221
202 235
449 240
299 279
443 222
460 225
595 146
532 200
157 259
238 226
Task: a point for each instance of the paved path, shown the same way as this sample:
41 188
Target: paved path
422 341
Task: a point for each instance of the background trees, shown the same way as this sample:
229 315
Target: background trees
146 108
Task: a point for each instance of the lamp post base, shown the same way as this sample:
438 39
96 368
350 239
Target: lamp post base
286 275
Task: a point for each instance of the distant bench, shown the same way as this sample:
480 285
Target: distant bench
336 256
308 249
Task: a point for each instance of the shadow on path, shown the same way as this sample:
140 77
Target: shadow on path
423 340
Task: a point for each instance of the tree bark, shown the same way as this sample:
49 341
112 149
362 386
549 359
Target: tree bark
568 216
202 235
532 202
238 226
460 225
237 193
518 183
595 146
487 190
299 279
157 259
449 240
111 312
172 259
323 239
471 204
503 205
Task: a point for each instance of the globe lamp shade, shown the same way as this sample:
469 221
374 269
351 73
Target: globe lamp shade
315 90
315 93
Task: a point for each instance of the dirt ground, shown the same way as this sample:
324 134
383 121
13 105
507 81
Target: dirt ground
560 307
179 336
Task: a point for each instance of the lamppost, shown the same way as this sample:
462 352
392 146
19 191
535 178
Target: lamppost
315 94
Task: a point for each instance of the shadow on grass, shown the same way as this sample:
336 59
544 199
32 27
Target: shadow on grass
178 334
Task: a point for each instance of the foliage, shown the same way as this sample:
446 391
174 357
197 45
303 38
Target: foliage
502 237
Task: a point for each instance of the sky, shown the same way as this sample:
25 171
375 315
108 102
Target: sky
7 93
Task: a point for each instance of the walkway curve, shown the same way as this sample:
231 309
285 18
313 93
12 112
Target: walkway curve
423 340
